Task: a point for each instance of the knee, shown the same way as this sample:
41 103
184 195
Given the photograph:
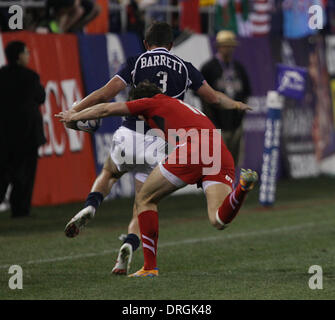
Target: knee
141 201
111 173
105 175
144 201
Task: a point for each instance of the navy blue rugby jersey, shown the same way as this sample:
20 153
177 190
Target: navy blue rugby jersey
172 74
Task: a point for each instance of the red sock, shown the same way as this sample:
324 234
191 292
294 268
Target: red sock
148 223
231 205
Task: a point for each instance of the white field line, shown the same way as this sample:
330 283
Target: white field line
221 237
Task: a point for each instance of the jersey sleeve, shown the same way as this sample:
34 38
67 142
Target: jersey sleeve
125 71
195 76
140 106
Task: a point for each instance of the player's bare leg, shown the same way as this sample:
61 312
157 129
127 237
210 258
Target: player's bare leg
100 189
131 243
154 189
224 203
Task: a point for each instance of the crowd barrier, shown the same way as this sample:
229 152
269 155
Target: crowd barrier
72 66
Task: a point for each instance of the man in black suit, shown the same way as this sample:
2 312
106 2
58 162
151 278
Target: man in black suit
21 127
225 74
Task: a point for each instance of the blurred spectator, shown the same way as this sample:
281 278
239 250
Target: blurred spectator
330 9
21 128
233 15
115 18
62 15
33 17
155 15
91 11
175 20
135 19
225 74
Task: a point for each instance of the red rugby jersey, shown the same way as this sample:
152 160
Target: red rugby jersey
166 113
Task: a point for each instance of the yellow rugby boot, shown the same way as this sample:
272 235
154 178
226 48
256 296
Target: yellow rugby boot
248 179
145 273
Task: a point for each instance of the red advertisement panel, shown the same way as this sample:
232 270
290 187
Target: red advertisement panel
66 165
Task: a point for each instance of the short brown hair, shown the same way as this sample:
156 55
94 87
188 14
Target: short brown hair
159 34
144 89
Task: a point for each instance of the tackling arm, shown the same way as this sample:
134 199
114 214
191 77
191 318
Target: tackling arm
101 110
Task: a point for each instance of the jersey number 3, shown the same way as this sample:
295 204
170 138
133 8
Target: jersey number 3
163 81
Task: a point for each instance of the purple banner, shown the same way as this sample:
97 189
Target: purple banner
255 55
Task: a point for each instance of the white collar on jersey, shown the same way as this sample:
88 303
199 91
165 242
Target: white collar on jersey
159 49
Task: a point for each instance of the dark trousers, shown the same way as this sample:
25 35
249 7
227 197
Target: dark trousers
18 170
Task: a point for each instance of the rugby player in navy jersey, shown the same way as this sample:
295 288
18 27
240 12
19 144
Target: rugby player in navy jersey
174 76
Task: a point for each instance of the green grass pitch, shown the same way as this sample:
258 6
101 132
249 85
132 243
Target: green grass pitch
264 254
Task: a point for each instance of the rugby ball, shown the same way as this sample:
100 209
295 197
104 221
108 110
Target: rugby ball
89 125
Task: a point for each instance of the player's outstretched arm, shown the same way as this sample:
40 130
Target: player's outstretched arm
98 111
104 94
209 95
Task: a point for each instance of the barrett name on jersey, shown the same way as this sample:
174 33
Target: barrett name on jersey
172 74
161 60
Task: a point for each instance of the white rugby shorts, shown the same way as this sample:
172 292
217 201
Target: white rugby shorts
132 151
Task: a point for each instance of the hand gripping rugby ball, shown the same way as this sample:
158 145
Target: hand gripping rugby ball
89 125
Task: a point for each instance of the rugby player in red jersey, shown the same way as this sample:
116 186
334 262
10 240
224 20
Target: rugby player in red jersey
199 156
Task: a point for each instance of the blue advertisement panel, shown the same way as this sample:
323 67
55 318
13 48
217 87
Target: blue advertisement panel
94 61
131 44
